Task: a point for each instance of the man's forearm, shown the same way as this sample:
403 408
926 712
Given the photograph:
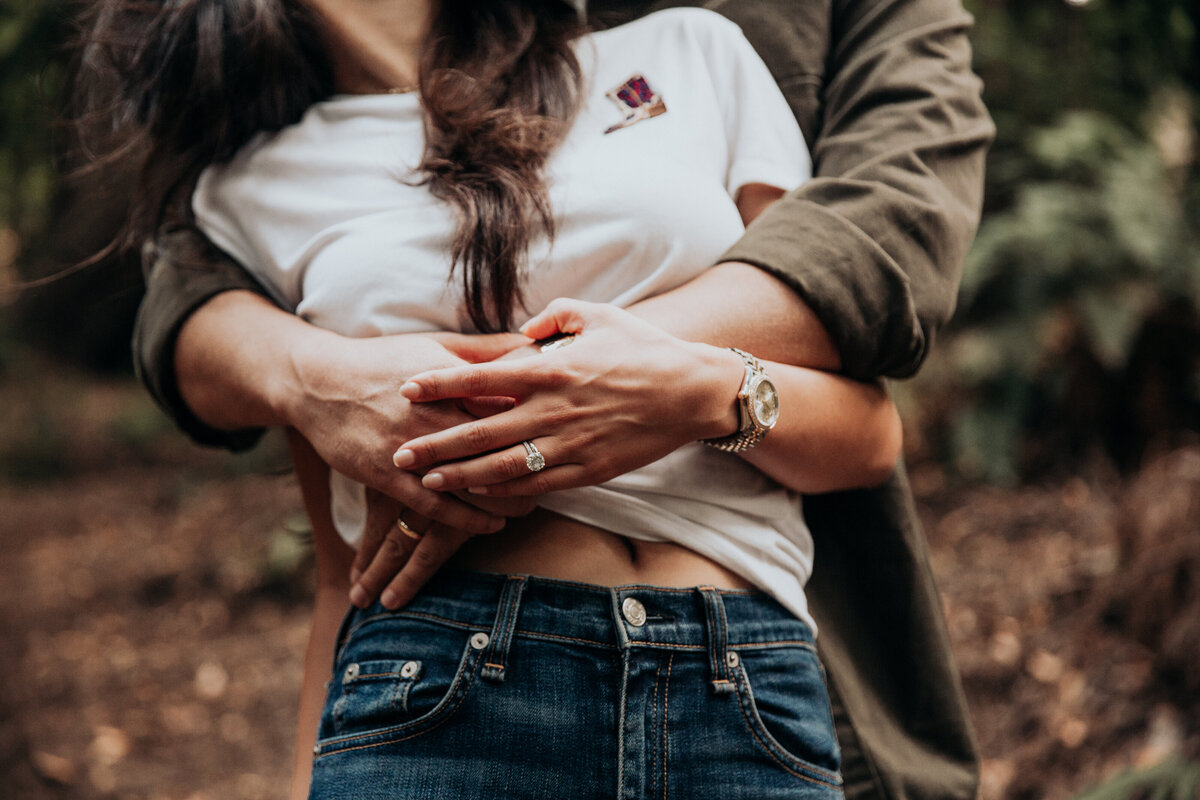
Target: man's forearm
234 360
738 305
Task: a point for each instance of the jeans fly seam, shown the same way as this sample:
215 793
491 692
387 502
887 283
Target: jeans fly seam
621 726
654 722
666 722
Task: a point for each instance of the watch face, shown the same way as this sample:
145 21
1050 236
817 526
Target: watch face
764 403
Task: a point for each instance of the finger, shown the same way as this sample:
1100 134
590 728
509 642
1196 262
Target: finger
486 406
440 507
390 558
468 440
497 379
502 465
434 550
551 479
382 512
563 315
503 506
477 348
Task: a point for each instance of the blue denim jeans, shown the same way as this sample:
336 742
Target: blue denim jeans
494 686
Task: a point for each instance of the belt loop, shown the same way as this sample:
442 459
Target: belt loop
718 663
496 658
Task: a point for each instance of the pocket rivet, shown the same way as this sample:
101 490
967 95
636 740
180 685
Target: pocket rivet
316 749
634 612
351 673
409 670
480 641
731 658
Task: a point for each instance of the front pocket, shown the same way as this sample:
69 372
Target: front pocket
377 695
785 705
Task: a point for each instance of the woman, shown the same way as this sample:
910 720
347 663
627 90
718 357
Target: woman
509 94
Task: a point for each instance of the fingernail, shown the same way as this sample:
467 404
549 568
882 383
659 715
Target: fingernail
434 480
404 458
497 524
358 596
481 490
389 599
411 390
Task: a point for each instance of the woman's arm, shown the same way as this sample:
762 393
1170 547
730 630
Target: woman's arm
625 393
333 566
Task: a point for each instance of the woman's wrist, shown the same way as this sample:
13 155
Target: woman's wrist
719 373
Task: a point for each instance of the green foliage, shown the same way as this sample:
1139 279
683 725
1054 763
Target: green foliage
1092 218
32 73
1171 780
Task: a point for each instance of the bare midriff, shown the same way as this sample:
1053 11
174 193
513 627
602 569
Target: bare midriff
553 546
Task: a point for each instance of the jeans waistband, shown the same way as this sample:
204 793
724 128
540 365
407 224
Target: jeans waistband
718 621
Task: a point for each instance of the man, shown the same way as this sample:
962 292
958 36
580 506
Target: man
855 271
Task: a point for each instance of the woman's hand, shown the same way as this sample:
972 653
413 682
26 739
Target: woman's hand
622 394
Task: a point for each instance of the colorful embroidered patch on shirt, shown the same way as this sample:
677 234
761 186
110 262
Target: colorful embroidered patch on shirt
637 100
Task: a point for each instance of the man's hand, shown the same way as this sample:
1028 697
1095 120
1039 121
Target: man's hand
391 566
344 397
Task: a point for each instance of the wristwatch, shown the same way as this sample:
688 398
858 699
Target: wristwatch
758 408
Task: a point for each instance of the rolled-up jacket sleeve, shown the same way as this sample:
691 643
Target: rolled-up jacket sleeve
183 270
876 241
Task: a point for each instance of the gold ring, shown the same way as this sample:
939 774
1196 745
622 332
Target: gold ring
408 530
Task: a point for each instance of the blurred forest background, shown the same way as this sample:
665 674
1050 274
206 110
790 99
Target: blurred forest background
154 596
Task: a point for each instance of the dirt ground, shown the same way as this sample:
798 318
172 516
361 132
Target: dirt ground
153 613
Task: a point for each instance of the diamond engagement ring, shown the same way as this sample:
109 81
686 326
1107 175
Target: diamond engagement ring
533 458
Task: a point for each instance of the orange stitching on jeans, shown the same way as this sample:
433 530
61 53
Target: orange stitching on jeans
493 666
537 634
666 721
654 716
779 643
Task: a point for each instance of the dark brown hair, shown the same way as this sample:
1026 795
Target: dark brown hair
177 85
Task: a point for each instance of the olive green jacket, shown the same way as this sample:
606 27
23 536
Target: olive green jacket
884 93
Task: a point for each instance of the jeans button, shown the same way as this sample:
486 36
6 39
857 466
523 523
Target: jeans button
634 612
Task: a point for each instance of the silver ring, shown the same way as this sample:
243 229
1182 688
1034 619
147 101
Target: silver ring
407 529
533 457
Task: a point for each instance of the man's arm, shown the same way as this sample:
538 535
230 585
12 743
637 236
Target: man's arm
183 271
874 244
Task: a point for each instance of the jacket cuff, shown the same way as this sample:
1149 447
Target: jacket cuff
855 289
182 275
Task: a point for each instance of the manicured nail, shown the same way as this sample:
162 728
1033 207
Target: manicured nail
389 599
480 490
358 596
434 480
404 458
411 390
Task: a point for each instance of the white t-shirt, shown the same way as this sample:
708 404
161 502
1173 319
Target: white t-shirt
678 114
